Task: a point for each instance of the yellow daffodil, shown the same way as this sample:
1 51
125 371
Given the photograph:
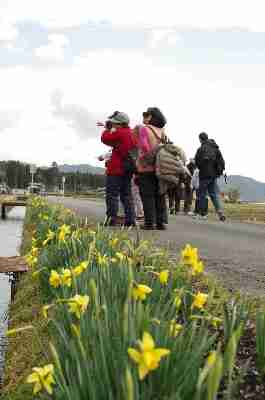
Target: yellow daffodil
77 270
113 242
55 279
66 277
78 305
50 237
84 265
199 300
197 268
141 291
163 276
64 230
148 358
174 328
31 260
189 255
42 378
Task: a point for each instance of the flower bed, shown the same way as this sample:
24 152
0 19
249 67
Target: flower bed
127 323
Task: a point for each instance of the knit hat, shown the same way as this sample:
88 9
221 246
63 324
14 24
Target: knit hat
120 118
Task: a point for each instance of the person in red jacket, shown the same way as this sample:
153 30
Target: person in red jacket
118 183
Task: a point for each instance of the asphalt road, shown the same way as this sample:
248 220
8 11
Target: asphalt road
234 252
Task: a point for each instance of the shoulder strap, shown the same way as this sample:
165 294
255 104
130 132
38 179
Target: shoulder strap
160 139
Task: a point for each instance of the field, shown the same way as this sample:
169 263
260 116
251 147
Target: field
125 322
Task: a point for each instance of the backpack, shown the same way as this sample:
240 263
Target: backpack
219 164
212 153
170 164
129 164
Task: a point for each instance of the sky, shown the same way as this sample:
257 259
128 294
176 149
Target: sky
66 65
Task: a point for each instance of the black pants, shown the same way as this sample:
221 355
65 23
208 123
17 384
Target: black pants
119 187
153 203
178 193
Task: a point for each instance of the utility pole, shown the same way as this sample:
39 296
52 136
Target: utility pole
33 170
63 181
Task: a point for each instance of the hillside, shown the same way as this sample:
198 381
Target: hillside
83 168
250 189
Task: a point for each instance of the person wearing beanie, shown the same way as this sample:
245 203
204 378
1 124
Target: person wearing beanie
118 135
210 162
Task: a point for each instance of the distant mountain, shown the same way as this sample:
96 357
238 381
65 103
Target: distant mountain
83 168
250 189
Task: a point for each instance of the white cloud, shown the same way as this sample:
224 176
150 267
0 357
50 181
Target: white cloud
225 101
164 36
8 119
54 50
8 31
204 14
77 117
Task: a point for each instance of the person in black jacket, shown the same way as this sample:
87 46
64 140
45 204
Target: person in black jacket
211 165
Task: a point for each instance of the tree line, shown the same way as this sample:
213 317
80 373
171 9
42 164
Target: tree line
16 174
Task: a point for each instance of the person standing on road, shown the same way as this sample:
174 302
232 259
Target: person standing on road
118 135
151 135
211 165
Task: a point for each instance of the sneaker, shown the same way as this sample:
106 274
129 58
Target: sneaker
222 218
195 216
191 214
203 217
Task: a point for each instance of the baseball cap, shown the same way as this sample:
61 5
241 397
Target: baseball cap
120 118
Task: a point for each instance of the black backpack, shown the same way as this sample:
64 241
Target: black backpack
211 153
219 164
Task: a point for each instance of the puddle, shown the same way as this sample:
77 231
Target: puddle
10 239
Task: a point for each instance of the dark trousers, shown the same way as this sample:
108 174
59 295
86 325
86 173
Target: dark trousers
119 187
155 209
209 186
177 194
196 208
